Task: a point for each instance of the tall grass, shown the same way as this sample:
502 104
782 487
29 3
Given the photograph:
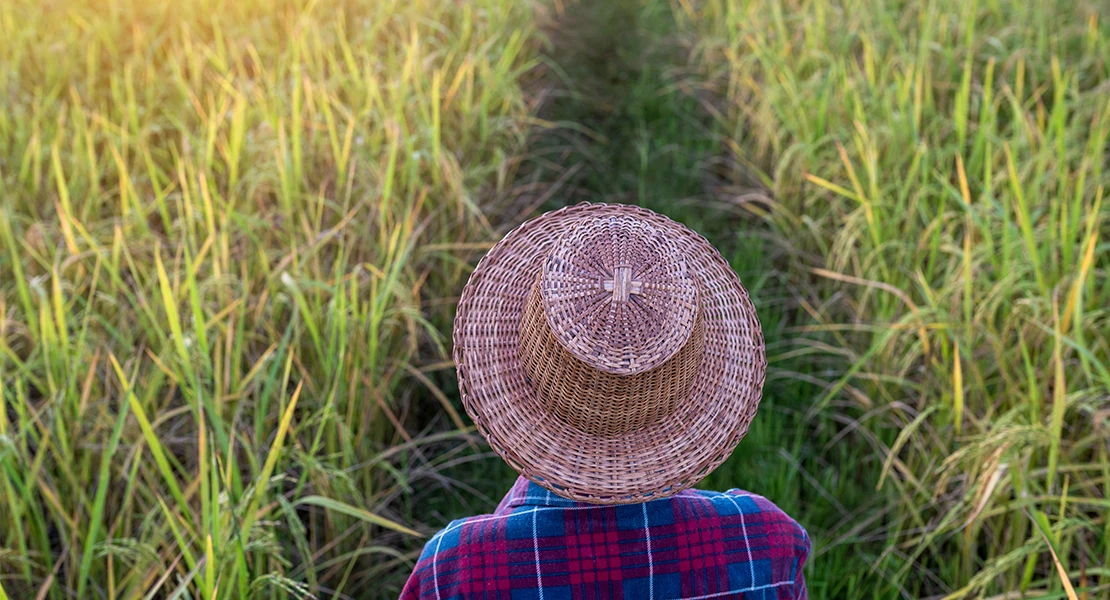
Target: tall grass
228 228
938 172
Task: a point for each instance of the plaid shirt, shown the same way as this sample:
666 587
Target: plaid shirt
538 546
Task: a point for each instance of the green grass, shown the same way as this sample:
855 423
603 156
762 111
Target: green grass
233 233
229 234
937 172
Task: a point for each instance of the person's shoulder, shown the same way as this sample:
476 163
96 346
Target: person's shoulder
469 533
450 554
757 518
446 541
442 557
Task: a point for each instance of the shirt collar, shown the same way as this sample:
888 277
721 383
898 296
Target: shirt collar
527 493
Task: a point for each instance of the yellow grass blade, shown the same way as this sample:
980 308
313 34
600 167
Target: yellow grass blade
1075 293
957 388
832 187
169 303
152 440
1059 386
1045 530
263 479
358 513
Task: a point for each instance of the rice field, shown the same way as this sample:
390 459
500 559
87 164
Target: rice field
232 235
935 173
230 238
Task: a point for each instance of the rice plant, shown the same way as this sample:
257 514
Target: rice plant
228 231
938 174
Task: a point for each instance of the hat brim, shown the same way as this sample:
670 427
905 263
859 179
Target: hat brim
658 460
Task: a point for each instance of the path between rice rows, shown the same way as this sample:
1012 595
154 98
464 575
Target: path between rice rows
631 127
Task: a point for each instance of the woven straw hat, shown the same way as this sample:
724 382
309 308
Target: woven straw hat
608 353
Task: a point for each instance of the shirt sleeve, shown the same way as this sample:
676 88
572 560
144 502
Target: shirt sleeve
418 582
792 538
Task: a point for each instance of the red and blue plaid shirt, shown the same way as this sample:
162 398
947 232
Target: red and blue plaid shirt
539 546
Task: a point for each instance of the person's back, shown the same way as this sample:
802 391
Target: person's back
695 544
613 358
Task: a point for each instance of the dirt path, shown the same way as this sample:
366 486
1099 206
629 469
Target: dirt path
629 124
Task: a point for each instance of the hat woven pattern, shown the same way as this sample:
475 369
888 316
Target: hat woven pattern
596 401
608 353
618 296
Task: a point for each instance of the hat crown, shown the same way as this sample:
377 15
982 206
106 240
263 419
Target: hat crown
617 295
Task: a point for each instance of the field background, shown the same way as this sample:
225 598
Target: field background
232 235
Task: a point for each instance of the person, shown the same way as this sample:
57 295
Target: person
612 357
